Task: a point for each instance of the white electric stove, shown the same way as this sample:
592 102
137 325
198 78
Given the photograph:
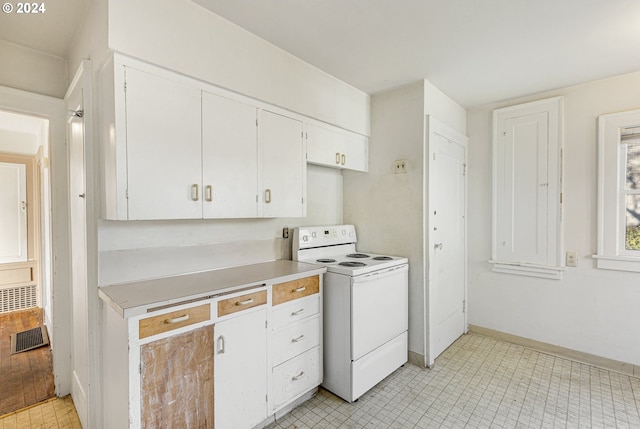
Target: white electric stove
365 305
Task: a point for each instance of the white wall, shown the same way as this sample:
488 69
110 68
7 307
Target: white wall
388 209
185 37
590 310
31 70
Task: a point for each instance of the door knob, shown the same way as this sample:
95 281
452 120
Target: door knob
438 246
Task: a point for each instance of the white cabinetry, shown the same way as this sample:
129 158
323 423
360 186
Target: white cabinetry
177 148
229 158
241 362
333 147
283 175
296 338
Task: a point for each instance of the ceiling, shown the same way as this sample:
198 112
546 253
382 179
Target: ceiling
475 51
51 31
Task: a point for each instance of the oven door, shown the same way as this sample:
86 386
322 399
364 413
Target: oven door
379 308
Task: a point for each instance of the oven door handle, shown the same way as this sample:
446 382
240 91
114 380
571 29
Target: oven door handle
380 274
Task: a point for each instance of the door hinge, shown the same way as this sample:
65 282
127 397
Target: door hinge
125 86
266 398
464 169
126 194
464 306
140 368
434 156
256 122
266 324
560 197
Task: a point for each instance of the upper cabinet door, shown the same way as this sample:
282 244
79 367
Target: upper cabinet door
333 147
163 127
355 150
323 146
283 166
230 158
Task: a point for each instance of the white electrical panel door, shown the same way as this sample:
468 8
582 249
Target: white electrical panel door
527 187
283 166
229 158
164 163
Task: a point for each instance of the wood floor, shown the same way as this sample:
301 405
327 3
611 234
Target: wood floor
25 378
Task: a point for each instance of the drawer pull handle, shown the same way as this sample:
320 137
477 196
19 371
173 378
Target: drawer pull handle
298 377
245 302
300 289
297 340
295 313
221 345
177 319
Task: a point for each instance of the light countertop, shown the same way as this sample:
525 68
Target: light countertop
136 298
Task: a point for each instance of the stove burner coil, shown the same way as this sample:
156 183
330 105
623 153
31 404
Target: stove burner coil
352 264
383 258
357 255
325 260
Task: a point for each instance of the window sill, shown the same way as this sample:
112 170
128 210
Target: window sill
529 270
618 263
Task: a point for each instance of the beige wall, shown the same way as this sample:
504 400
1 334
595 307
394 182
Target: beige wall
590 310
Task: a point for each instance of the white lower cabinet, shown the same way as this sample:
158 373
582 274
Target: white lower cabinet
228 362
296 355
240 366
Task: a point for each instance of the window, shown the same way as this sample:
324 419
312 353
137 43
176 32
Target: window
619 191
527 189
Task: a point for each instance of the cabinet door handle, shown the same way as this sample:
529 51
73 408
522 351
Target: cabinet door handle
297 340
298 377
267 196
195 192
295 313
343 158
177 319
208 193
300 289
245 302
220 345
337 158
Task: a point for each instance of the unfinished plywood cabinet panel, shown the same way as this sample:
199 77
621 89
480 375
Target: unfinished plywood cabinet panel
295 289
177 381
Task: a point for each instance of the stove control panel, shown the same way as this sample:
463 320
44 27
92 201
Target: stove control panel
317 236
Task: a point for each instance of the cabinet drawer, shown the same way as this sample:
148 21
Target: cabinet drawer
295 339
295 310
242 302
296 376
173 320
284 292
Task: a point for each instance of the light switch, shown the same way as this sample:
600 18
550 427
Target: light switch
572 259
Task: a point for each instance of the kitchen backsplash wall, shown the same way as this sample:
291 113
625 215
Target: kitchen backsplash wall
135 250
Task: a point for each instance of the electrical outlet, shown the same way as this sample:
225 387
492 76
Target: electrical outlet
401 166
572 259
285 232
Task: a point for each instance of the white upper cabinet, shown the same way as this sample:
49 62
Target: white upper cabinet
163 148
333 147
283 181
177 148
229 158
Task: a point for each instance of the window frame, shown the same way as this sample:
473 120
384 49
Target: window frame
611 240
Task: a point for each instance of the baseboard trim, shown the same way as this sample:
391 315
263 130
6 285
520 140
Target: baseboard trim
417 359
582 357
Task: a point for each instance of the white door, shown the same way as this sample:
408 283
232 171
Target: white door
283 166
77 226
447 241
164 159
240 371
229 158
13 212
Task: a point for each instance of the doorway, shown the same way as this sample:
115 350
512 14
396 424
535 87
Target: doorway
25 281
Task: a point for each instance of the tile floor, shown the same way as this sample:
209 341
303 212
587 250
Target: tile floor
58 413
479 382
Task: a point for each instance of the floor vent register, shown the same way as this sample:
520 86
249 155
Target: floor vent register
29 340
